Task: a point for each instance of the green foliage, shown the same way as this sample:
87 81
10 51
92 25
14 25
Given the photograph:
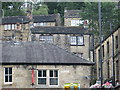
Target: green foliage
41 10
109 15
15 9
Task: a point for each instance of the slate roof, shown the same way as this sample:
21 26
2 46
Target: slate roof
72 13
39 53
59 30
36 18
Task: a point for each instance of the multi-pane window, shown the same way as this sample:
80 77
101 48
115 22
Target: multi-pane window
9 27
13 26
76 40
5 27
8 75
42 77
116 42
47 77
53 77
40 24
108 48
48 38
75 22
73 40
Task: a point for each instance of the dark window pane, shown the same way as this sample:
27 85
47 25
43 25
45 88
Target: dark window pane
51 73
41 80
6 70
10 70
55 73
53 81
10 78
44 73
6 78
39 73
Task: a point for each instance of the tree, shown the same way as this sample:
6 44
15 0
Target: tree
109 15
41 10
12 8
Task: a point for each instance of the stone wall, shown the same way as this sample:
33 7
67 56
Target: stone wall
67 74
108 58
63 41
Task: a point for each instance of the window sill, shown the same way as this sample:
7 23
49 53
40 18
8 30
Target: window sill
53 85
77 45
6 83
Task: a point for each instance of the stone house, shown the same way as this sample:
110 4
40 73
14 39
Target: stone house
74 39
41 65
73 18
110 55
17 28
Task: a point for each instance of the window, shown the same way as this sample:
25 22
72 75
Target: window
42 77
13 26
80 40
99 55
5 27
76 40
9 27
116 42
8 75
108 48
41 24
53 74
75 22
103 51
48 77
48 39
35 24
73 40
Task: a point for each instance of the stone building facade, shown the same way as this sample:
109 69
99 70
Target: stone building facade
42 65
110 55
74 39
17 28
73 18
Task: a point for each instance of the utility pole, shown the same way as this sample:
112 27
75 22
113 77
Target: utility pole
100 36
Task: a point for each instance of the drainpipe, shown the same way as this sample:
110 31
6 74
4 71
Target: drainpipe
113 64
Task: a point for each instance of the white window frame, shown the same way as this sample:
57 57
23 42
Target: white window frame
54 76
48 78
9 27
35 24
5 27
73 40
41 24
8 76
75 22
13 26
46 38
80 40
77 40
42 76
42 38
